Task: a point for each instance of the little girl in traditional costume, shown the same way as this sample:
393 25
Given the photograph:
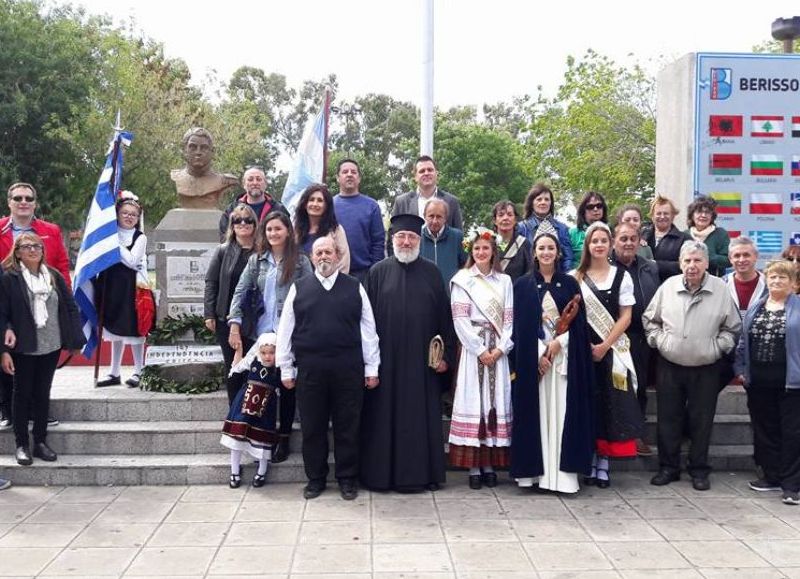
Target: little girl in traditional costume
250 425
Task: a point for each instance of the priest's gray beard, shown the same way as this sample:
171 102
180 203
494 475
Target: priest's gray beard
406 255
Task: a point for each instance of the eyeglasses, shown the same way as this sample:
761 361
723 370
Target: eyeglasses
30 247
25 198
127 214
243 221
795 258
594 206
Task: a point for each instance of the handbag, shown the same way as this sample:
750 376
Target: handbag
252 305
145 310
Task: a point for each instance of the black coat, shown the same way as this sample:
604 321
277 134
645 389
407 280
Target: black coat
221 279
16 314
667 252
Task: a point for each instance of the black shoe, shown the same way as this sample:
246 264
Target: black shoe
108 381
489 479
259 480
475 482
41 450
236 480
282 451
5 423
348 489
664 477
700 483
52 421
762 485
313 489
23 456
590 481
433 487
133 381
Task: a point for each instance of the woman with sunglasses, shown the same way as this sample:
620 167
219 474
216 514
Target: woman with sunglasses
41 319
115 293
277 265
224 271
315 218
591 209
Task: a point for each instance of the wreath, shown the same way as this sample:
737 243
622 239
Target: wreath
167 332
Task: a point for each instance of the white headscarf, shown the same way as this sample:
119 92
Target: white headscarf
265 339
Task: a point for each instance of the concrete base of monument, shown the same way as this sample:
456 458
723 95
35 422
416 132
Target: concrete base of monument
124 436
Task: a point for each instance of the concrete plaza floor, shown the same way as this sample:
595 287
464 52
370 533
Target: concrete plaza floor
630 530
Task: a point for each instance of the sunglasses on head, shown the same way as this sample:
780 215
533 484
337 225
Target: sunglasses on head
243 220
25 198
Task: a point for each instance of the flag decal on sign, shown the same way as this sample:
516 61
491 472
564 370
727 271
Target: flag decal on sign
725 164
768 241
725 125
769 126
795 203
765 204
730 203
766 165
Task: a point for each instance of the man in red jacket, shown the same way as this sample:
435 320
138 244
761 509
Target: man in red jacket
21 204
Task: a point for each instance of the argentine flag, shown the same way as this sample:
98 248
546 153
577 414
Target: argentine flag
100 245
309 165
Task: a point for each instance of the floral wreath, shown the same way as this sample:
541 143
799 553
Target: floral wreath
477 233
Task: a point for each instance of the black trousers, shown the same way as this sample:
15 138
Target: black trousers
6 393
775 417
33 377
693 391
641 352
234 382
330 394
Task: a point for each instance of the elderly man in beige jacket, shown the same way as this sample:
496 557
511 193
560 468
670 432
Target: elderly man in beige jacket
693 322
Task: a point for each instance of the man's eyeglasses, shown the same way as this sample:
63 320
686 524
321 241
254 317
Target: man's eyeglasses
25 198
31 247
594 206
243 221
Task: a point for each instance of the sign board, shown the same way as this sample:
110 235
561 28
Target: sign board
181 354
747 145
186 276
176 309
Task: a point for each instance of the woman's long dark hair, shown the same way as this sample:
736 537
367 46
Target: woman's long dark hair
290 251
582 224
302 223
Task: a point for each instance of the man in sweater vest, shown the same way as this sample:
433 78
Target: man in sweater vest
328 330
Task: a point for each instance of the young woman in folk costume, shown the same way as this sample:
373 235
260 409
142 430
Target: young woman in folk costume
553 438
608 296
482 304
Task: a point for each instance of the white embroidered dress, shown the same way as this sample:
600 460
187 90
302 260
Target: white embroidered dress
473 395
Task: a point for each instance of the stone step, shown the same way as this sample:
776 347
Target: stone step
158 469
138 406
729 429
124 438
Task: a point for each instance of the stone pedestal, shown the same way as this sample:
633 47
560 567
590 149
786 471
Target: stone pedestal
183 243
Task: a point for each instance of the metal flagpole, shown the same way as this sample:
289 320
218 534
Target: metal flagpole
327 120
426 123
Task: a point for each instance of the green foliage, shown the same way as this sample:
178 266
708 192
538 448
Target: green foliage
481 166
172 328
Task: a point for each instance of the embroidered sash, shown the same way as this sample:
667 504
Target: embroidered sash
513 249
488 301
602 323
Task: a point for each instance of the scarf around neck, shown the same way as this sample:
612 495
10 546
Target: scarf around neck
39 286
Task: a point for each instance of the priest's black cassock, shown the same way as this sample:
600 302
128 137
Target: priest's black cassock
577 445
401 426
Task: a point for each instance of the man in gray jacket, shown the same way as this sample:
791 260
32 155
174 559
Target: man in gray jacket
693 322
427 176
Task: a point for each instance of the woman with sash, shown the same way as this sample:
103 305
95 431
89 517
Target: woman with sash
557 443
608 296
482 304
515 251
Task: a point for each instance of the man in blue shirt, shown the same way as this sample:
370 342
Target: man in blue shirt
360 216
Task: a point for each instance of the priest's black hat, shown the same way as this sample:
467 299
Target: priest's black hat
407 222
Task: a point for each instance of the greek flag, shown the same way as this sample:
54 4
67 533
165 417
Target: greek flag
309 165
100 245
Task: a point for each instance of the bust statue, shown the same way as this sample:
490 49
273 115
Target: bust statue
199 187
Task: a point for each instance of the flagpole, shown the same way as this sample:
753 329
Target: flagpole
101 312
426 116
327 117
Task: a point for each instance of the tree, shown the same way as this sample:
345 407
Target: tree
598 133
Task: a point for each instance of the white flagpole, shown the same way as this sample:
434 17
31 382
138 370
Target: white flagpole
426 123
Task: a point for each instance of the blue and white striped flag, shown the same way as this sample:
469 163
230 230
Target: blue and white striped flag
309 165
100 245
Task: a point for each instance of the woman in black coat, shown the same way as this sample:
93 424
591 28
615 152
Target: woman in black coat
40 318
664 238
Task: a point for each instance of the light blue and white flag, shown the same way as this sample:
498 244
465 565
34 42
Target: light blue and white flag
309 164
100 245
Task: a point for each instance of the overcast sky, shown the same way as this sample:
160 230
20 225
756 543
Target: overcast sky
484 51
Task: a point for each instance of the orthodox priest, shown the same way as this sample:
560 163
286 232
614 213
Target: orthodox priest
402 446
